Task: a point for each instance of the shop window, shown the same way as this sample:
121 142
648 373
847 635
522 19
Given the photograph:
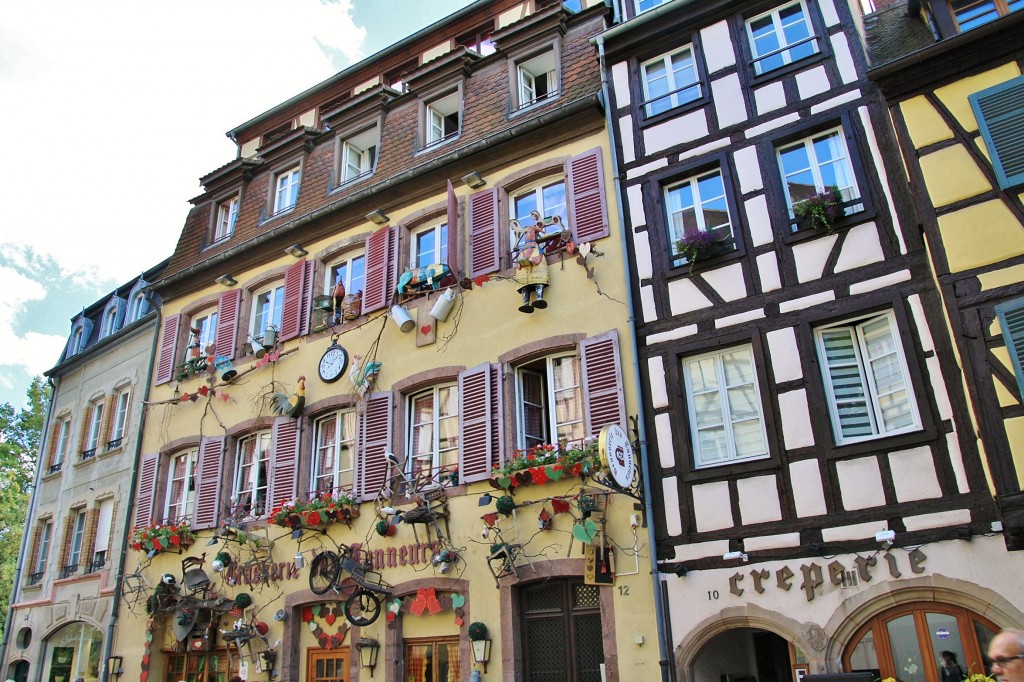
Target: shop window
815 164
1000 114
974 13
286 189
549 401
224 221
433 431
781 36
334 453
669 81
698 205
432 660
213 666
359 154
75 651
249 492
120 424
536 79
181 486
562 636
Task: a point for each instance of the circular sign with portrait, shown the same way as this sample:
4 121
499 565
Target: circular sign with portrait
617 454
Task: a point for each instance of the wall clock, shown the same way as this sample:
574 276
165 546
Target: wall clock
333 363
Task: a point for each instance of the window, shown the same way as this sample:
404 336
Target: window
137 307
814 164
181 486
76 650
781 36
724 405
697 204
432 660
547 199
120 418
973 13
61 449
42 550
94 423
227 216
430 246
561 629
334 455
77 339
202 333
537 79
1000 114
351 272
359 155
670 81
101 547
549 401
286 190
433 430
77 539
479 41
109 322
866 379
266 309
251 463
644 5
442 119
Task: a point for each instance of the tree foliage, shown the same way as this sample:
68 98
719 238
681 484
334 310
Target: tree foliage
21 434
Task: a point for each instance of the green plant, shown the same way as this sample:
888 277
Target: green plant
243 600
822 210
695 245
318 511
477 631
162 536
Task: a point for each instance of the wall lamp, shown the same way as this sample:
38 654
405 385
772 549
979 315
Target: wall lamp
482 652
114 666
296 250
885 538
474 180
226 280
729 556
368 651
377 216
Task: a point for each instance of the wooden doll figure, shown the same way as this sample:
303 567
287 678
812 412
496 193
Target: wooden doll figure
531 273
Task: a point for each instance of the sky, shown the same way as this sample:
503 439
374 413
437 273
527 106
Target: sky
112 110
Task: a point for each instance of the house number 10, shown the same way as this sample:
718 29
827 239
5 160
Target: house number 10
712 594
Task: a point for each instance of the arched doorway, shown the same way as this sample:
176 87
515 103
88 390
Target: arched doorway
907 642
71 652
748 655
18 671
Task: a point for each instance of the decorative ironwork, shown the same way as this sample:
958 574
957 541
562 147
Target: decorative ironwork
88 454
636 488
35 578
54 468
68 571
116 443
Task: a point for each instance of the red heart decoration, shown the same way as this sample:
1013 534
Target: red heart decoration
307 614
143 676
330 618
323 641
390 616
335 642
425 329
459 620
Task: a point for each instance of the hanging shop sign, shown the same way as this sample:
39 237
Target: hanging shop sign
617 454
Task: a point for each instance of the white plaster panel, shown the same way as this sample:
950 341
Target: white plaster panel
739 318
758 220
924 333
939 391
806 301
844 60
647 306
700 550
620 81
759 543
876 283
728 98
858 531
768 268
663 428
712 506
828 12
810 257
861 248
717 47
673 334
759 499
835 101
956 460
727 282
642 255
703 149
673 515
646 168
808 492
954 517
684 297
796 419
686 128
860 483
773 124
785 355
626 134
878 168
913 474
748 170
656 381
769 98
812 82
635 199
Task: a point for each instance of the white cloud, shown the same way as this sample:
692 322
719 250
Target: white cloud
32 351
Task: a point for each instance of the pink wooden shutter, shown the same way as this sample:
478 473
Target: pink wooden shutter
379 252
306 310
484 244
603 399
453 231
211 461
588 215
227 323
168 349
291 308
375 441
284 472
497 418
144 496
475 423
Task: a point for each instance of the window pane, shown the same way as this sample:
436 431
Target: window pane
795 29
708 409
713 446
906 652
749 438
739 367
702 374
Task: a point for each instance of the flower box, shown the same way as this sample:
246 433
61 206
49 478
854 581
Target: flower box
543 464
162 537
316 513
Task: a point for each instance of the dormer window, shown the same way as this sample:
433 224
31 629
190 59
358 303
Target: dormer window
359 154
538 78
286 189
644 5
227 216
109 322
479 41
442 119
973 13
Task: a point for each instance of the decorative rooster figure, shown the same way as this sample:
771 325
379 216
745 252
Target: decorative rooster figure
290 406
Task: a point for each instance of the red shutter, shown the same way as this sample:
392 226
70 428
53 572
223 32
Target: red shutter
227 323
453 231
147 484
168 349
291 308
306 310
374 442
379 251
480 422
588 215
284 472
211 460
484 244
497 418
603 399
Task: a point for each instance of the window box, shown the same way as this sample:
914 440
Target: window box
162 537
543 464
821 211
318 512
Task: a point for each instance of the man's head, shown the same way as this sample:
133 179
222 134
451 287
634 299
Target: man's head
1007 654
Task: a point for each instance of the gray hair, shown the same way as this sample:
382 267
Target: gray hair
1017 635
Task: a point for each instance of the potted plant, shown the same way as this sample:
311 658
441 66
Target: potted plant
317 512
159 537
697 245
820 211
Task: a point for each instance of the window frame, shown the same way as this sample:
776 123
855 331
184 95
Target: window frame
43 548
275 305
291 174
434 120
347 259
338 446
549 409
225 218
263 457
693 180
135 305
120 418
207 318
186 505
520 103
817 37
536 185
1000 7
437 454
439 228
675 107
347 141
77 537
434 642
93 428
60 451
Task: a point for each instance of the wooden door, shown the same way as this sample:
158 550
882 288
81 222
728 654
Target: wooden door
327 665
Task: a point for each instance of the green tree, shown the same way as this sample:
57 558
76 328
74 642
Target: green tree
21 433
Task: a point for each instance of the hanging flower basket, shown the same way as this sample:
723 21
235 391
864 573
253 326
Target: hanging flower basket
162 537
821 211
319 512
543 464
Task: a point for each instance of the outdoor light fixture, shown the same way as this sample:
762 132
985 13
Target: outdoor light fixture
474 180
296 250
114 666
482 652
377 216
729 556
885 537
226 280
368 650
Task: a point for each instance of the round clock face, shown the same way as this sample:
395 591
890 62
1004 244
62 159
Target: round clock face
333 364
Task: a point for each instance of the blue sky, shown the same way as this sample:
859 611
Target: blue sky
111 122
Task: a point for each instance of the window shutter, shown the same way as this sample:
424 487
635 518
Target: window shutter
603 399
1000 114
291 310
284 472
379 265
227 323
480 427
168 349
211 461
375 441
453 231
144 496
588 215
306 302
484 244
1011 321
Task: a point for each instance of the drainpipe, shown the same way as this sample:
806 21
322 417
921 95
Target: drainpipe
26 530
115 609
664 646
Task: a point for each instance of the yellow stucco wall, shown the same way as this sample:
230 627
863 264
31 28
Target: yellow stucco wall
981 234
951 175
1015 435
923 122
954 96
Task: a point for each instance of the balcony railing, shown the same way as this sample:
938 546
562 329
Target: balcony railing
35 578
88 454
54 468
116 443
97 564
68 571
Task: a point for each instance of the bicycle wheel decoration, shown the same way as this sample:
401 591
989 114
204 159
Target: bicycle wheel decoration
323 572
362 608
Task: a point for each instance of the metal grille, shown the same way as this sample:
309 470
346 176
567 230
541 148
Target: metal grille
589 648
546 598
545 641
586 595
